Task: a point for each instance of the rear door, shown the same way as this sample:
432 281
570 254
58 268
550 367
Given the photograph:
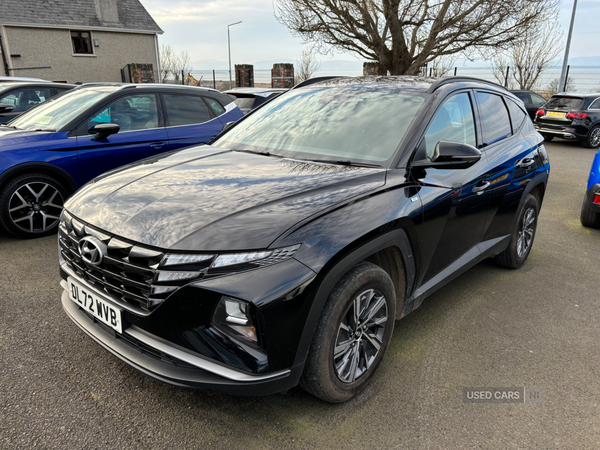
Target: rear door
189 120
513 160
142 134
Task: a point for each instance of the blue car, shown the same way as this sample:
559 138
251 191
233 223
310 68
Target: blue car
47 153
590 210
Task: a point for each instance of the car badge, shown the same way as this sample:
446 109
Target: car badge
92 250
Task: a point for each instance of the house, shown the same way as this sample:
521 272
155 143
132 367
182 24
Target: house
78 40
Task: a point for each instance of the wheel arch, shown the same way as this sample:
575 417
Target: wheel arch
388 250
40 167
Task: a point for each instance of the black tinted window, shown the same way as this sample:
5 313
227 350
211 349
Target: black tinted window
186 110
517 115
564 103
595 104
24 99
523 96
494 117
215 106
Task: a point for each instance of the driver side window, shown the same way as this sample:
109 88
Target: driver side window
453 122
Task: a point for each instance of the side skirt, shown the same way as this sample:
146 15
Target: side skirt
474 256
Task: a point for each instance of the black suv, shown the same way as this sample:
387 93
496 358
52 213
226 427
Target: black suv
571 116
283 253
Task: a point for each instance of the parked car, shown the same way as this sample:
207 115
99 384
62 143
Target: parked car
4 79
571 116
283 252
16 98
590 210
533 101
57 146
249 98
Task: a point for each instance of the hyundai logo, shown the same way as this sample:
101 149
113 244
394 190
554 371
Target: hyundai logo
92 250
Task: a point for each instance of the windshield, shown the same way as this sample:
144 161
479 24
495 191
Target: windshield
56 112
564 103
348 123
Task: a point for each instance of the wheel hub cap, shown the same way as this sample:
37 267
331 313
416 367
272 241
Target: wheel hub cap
35 207
360 335
526 232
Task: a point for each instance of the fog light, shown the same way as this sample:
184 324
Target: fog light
235 317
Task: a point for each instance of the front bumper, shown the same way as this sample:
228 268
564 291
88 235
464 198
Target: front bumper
172 364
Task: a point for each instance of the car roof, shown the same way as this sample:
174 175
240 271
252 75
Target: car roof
121 86
254 90
4 79
40 83
410 82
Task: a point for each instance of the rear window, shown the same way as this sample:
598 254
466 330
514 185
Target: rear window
564 103
245 103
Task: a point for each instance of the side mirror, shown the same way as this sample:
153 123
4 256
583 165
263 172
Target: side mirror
5 107
103 130
451 155
227 126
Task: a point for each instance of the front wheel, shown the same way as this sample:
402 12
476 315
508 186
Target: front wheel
593 138
522 236
30 205
352 335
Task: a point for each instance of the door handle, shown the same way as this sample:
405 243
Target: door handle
158 145
481 186
526 163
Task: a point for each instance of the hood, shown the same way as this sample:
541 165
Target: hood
10 137
210 199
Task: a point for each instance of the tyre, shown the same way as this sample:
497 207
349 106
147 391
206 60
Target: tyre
589 217
593 138
522 236
30 205
352 335
547 137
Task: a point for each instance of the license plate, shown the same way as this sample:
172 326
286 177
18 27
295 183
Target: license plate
95 305
555 114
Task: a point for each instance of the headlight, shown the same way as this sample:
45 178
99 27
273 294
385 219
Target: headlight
235 317
263 258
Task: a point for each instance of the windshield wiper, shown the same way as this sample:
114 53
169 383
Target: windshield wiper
258 153
52 130
9 126
344 162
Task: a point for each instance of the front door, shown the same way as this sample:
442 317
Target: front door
455 201
141 135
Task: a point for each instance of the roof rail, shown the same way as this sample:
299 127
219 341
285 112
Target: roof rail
316 80
122 86
447 80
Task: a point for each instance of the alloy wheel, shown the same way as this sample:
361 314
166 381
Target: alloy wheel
360 335
595 137
526 231
35 206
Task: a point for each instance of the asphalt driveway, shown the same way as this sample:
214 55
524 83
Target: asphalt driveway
535 327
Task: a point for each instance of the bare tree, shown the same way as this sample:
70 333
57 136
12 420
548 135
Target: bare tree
181 64
530 55
166 62
403 35
172 64
306 66
440 67
554 88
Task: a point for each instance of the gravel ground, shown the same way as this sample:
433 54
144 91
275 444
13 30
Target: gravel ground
538 327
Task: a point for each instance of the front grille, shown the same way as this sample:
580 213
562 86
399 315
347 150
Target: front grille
127 271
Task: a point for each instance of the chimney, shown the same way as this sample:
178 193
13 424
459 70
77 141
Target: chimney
107 10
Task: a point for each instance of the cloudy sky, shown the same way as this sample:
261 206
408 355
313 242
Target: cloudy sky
200 28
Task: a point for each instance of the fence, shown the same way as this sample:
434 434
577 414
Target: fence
584 78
